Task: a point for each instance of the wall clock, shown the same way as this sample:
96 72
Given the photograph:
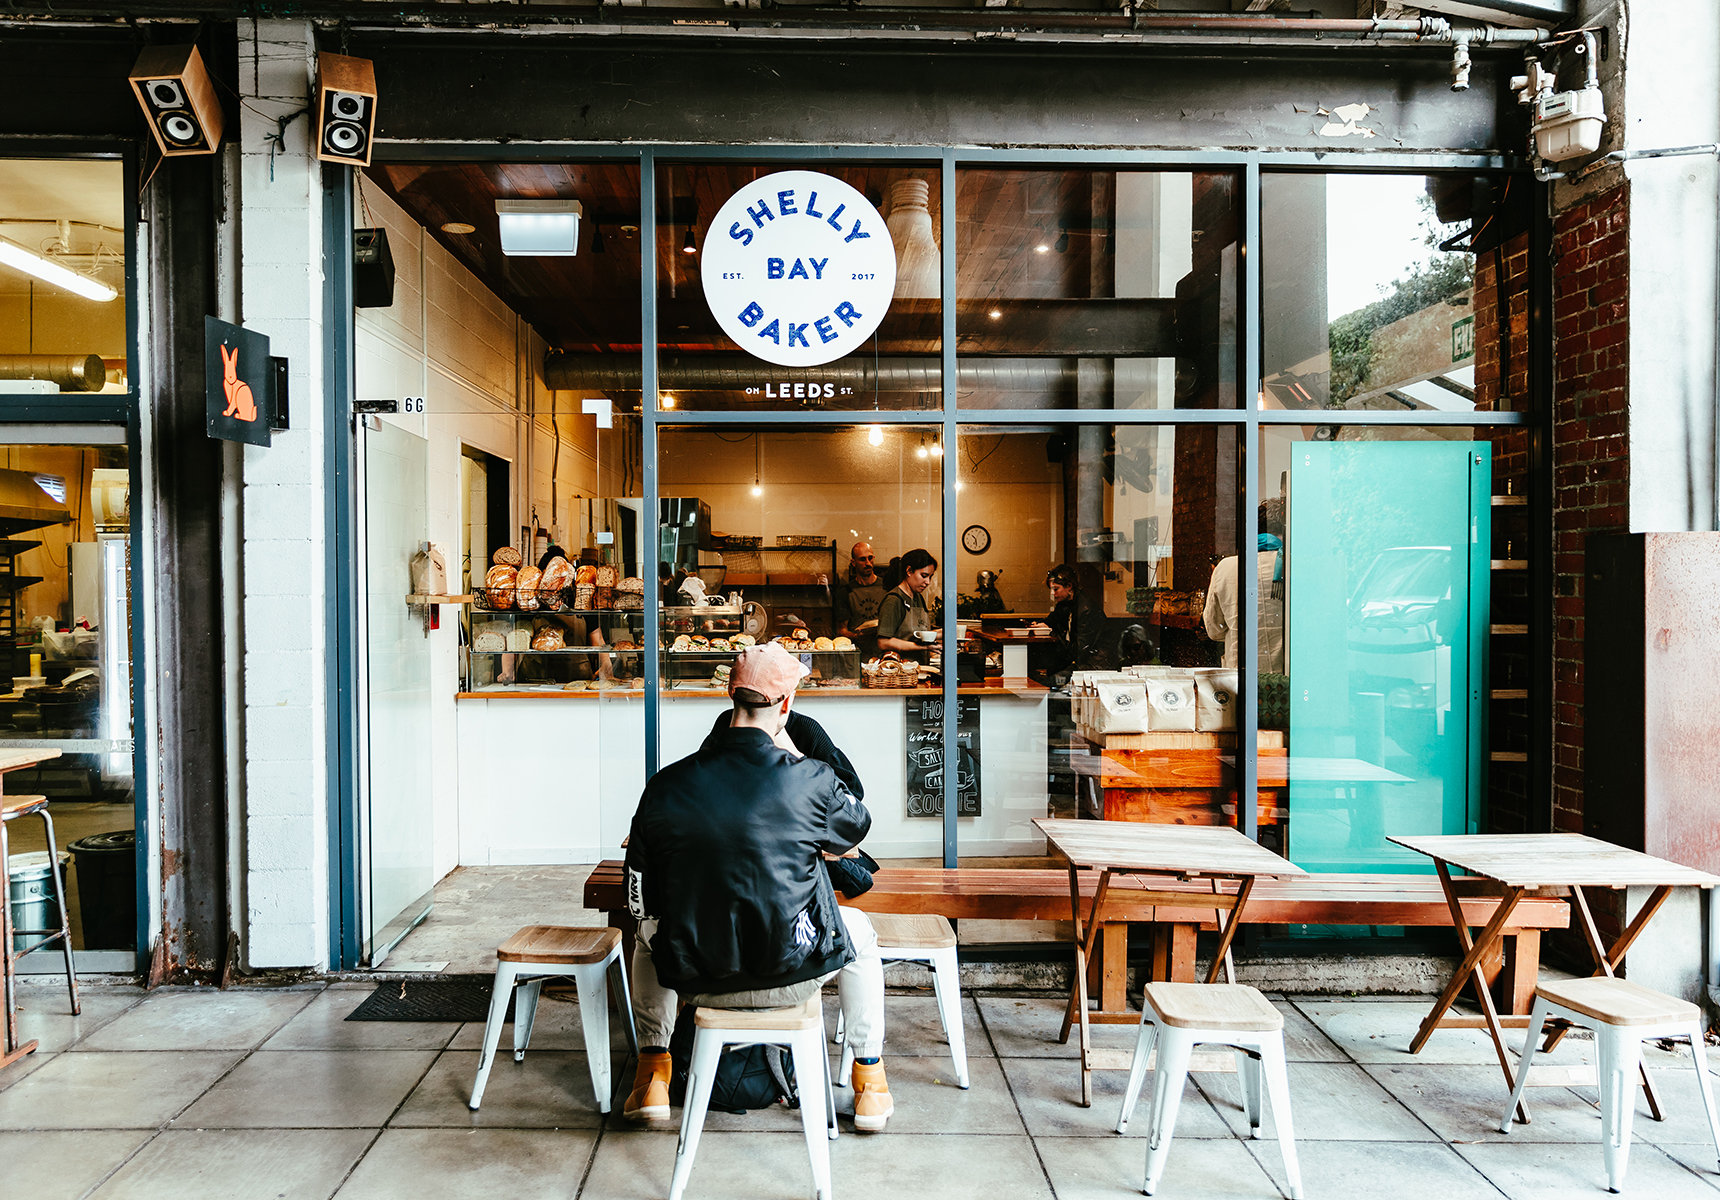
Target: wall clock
976 539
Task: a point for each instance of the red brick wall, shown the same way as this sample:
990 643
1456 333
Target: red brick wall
1591 449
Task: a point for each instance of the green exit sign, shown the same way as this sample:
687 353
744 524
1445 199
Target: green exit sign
1462 339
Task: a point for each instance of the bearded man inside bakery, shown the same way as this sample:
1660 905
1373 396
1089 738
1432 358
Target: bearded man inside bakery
726 876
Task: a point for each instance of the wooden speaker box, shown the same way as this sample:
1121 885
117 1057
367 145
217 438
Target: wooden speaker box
178 98
346 109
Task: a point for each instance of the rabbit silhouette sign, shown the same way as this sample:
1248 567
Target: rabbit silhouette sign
240 402
237 373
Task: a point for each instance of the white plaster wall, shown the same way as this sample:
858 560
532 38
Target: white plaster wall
281 295
1672 76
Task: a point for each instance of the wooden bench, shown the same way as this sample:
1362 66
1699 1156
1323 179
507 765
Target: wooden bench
1040 894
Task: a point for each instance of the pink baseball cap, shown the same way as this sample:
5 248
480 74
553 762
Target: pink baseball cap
769 670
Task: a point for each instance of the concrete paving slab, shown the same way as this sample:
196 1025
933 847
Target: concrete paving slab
887 1166
1545 1171
912 1027
322 1025
310 1089
457 1164
47 1017
1379 1032
1099 1169
111 1090
287 1164
1303 1040
1335 1101
1335 1170
188 1019
1048 1094
1464 1104
1681 1102
929 1101
63 1165
551 1089
556 1027
1027 1027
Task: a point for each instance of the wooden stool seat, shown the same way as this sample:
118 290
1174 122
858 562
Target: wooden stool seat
1233 1007
787 1020
1618 1001
21 806
566 945
913 931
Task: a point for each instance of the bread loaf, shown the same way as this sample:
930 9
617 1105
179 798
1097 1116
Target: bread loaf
507 556
525 588
558 574
585 575
607 576
549 637
499 585
602 597
519 639
584 597
632 583
491 639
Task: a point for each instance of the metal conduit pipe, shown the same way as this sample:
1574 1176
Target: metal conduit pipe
735 373
429 15
71 372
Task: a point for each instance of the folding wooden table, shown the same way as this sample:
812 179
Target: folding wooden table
16 760
1183 852
1526 863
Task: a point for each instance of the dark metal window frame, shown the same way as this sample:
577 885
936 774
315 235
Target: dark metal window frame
1248 421
111 410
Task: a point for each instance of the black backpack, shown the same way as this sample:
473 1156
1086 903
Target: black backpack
747 1076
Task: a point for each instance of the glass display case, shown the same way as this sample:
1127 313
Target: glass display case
571 650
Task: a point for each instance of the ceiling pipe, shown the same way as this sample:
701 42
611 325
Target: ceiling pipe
431 14
68 372
863 376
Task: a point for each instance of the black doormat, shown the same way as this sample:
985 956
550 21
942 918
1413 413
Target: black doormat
437 1000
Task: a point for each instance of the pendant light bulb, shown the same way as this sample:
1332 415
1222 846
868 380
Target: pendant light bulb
757 489
937 449
876 436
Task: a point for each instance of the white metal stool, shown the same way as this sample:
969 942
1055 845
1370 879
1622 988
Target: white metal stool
925 938
526 960
1623 1015
13 808
1186 1015
801 1029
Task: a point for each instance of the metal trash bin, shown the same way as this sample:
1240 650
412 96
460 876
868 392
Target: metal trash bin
32 898
107 889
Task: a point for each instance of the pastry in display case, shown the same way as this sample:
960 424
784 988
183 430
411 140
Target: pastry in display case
558 628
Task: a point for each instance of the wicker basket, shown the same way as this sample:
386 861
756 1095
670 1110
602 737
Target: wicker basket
497 598
906 676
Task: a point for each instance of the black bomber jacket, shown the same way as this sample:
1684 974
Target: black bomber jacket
725 854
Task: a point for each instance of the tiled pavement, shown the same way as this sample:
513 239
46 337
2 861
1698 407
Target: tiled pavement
271 1094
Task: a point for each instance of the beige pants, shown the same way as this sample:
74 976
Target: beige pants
859 988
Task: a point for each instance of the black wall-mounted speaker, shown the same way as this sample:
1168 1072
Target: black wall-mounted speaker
372 269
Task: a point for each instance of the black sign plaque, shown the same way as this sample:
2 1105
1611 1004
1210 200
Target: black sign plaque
237 377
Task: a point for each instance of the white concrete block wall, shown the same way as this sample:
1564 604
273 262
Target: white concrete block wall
281 295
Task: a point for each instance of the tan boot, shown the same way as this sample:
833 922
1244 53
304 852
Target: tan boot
872 1102
649 1100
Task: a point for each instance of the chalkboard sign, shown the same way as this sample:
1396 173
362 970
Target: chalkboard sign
926 756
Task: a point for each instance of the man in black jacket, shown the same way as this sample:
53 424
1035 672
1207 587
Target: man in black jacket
725 873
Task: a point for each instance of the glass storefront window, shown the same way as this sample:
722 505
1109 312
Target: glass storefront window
791 275
803 531
65 626
62 277
1385 292
1097 289
1106 536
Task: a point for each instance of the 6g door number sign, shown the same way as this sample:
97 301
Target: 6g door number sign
798 268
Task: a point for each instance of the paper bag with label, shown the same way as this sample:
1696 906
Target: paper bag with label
429 573
1170 703
1215 698
1119 706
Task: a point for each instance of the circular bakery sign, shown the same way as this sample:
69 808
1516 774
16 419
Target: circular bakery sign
798 268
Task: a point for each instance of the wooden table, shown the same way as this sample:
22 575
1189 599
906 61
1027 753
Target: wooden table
1184 852
1545 863
14 760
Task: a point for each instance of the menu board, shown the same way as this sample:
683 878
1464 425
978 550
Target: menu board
926 759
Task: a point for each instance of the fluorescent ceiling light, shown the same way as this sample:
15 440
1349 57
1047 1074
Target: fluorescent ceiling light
14 255
540 228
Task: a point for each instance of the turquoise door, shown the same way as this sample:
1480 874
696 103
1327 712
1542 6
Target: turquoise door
1387 596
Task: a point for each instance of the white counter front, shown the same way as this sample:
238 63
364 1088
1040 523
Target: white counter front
555 779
